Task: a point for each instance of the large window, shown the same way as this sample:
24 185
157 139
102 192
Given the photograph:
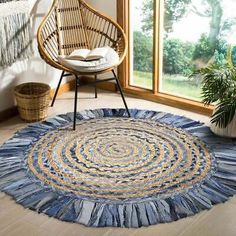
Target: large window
169 39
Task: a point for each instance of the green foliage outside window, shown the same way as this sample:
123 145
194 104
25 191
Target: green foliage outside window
177 57
143 50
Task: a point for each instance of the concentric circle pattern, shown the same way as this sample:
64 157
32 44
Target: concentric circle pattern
120 159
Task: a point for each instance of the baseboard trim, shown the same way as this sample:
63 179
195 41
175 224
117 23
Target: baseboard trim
67 87
109 86
8 113
11 112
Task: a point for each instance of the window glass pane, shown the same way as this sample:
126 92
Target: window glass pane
141 42
195 33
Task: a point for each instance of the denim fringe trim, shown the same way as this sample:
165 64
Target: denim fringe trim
31 193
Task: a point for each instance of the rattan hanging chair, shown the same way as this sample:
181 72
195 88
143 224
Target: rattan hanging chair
71 25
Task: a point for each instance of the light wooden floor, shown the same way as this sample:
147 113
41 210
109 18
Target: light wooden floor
17 221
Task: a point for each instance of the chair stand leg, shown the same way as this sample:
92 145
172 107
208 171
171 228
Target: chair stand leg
121 92
95 87
58 86
75 103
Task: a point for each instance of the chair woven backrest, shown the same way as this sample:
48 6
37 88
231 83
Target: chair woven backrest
101 32
72 24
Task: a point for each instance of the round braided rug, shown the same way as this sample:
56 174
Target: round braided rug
116 171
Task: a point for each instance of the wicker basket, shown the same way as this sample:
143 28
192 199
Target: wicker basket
32 101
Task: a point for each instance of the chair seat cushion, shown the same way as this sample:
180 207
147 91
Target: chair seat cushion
110 60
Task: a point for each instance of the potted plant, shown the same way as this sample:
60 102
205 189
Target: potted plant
219 87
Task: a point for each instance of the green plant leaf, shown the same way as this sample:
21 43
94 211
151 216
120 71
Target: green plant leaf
225 112
219 85
216 82
229 57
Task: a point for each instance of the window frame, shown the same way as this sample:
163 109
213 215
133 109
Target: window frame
123 18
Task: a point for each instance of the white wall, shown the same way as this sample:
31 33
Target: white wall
35 69
108 7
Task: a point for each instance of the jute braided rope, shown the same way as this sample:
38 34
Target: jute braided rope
120 159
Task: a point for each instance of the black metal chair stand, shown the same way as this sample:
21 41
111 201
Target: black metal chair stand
95 82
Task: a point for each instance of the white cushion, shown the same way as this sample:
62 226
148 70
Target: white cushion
111 59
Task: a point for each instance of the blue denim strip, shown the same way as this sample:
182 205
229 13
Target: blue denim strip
17 181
